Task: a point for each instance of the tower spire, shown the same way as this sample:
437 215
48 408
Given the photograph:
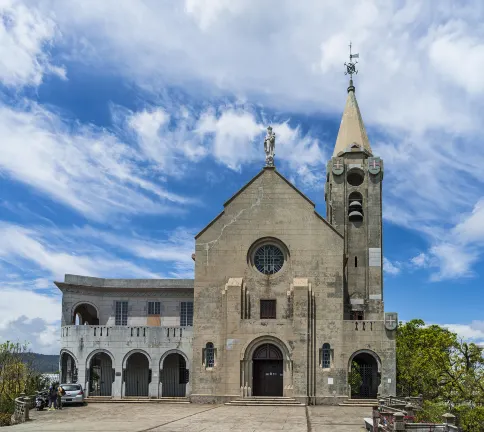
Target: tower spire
352 130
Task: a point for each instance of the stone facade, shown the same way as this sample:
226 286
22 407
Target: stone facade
285 302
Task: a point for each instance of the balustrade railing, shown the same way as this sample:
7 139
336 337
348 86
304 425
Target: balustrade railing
363 325
104 332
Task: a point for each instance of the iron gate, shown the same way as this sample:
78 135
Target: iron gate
174 376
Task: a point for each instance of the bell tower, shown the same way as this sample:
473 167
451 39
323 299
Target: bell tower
353 196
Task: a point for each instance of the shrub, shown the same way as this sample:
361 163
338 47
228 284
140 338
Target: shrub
5 419
431 412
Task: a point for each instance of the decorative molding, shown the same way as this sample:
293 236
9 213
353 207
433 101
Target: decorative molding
122 293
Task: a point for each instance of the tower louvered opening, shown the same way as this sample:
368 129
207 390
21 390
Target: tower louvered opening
355 207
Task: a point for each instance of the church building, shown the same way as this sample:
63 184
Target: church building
284 302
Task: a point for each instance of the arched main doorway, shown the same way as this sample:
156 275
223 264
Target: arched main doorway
268 372
363 376
68 369
137 375
101 375
174 376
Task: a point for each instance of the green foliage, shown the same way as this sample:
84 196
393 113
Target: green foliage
5 419
470 419
448 372
16 375
432 412
355 378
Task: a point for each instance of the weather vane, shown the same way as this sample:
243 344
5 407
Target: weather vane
351 66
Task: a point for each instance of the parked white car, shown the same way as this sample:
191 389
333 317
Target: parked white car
74 394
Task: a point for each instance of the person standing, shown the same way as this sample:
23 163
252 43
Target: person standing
52 397
60 392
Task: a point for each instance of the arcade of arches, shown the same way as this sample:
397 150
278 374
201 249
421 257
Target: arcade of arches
267 373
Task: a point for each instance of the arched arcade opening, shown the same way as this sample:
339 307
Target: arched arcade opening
68 369
137 375
85 314
174 376
101 375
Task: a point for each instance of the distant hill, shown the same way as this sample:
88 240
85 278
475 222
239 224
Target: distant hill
44 363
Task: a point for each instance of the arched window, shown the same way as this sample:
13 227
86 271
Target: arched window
209 355
326 356
355 207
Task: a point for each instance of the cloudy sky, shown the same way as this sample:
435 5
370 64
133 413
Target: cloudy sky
124 126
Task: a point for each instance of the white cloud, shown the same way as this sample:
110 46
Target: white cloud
85 168
27 316
457 54
24 35
233 136
471 228
392 268
55 254
473 332
420 261
170 148
454 252
207 12
176 249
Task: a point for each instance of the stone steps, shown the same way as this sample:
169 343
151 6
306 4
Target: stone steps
368 403
265 401
133 399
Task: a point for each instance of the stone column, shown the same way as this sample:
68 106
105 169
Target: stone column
375 418
83 375
117 389
155 377
398 424
410 410
449 419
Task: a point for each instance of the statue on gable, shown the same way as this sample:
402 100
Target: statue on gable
269 147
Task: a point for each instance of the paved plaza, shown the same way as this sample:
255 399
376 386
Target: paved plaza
143 417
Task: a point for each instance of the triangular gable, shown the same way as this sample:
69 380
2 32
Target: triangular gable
252 181
226 203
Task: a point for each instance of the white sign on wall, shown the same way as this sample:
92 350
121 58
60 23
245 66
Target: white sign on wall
330 381
374 257
389 380
230 343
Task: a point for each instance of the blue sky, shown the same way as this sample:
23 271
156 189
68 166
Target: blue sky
125 126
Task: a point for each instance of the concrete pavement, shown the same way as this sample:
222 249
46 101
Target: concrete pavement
132 417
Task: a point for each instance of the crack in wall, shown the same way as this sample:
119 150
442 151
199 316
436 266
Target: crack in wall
209 245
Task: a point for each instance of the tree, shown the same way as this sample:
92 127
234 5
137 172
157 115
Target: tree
448 372
17 375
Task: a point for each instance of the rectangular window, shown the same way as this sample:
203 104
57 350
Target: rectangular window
121 317
186 314
154 308
267 309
